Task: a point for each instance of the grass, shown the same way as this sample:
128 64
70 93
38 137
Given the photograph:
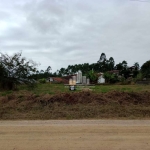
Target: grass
53 89
78 111
123 88
55 101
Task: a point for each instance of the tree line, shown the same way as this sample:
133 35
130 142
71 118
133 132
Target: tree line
102 65
16 70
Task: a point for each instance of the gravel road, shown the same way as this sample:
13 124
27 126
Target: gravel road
75 135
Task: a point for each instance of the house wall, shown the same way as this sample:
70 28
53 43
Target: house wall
101 80
51 79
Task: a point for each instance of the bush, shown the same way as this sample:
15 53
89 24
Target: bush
138 77
92 76
42 80
110 78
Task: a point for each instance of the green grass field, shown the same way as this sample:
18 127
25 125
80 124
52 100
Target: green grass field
122 88
53 89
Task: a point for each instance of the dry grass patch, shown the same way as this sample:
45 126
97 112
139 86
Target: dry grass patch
76 105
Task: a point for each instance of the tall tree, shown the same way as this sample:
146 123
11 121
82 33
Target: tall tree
119 66
145 69
62 72
102 58
124 64
111 63
48 69
137 66
15 70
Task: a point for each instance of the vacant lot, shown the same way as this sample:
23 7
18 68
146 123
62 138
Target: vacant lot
116 101
75 135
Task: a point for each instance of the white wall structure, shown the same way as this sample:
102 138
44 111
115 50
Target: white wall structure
50 79
80 74
79 77
84 79
87 81
74 78
101 79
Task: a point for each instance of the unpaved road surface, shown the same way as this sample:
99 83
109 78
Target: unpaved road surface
75 135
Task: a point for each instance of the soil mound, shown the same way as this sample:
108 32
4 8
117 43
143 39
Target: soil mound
84 97
76 105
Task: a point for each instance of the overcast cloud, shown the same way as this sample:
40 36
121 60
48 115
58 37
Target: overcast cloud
66 32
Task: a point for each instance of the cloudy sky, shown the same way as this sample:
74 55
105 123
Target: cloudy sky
57 33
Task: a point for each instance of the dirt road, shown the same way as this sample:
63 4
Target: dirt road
75 135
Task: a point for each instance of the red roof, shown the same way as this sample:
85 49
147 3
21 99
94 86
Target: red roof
68 77
58 79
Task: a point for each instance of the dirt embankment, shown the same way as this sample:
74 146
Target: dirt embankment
76 105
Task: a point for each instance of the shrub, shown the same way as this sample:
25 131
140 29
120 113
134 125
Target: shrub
42 80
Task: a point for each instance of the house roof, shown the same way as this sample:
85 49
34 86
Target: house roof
68 77
100 74
58 79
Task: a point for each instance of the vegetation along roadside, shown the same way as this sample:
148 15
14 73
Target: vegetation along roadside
25 94
53 101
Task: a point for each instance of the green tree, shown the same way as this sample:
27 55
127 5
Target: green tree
47 72
145 69
61 72
92 76
16 70
103 63
110 78
124 64
102 58
119 66
111 63
136 71
137 66
48 69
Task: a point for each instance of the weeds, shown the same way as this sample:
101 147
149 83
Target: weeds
54 101
76 105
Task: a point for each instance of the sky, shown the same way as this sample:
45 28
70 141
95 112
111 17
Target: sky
59 33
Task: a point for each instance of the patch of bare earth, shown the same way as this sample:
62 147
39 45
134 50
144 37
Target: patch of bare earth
75 135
